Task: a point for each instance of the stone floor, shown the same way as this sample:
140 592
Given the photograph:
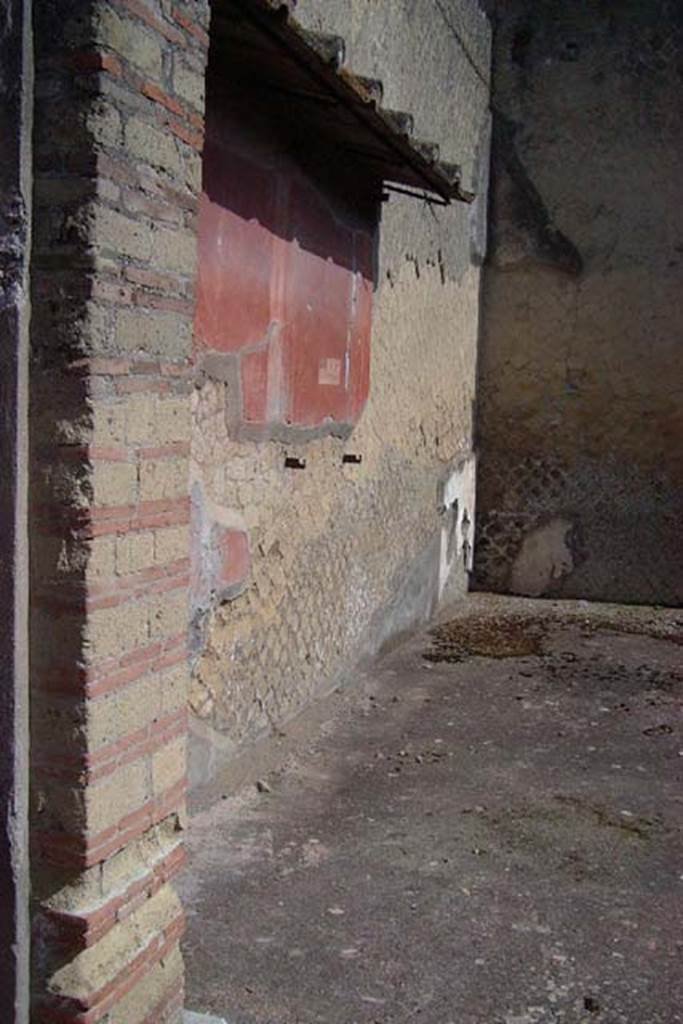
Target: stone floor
485 828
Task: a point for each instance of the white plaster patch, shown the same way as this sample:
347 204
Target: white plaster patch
458 504
545 556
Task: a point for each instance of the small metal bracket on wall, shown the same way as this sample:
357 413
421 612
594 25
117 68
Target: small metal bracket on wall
292 462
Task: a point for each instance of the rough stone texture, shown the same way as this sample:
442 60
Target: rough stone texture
16 93
489 840
334 543
117 159
580 371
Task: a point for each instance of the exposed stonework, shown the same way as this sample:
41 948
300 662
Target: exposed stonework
346 554
117 154
579 384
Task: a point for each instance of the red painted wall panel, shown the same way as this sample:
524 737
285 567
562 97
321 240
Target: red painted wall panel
285 281
235 251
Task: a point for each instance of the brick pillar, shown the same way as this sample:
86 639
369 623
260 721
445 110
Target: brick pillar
119 122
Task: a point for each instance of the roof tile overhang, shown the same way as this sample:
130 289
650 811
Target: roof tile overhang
304 74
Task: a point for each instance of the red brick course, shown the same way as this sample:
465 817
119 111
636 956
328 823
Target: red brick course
83 851
82 930
116 673
65 1011
93 766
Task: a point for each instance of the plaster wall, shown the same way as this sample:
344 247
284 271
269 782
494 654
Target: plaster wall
16 91
581 473
345 555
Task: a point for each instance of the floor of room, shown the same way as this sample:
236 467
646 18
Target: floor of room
482 828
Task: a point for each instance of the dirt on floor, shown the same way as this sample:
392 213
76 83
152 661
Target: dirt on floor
482 828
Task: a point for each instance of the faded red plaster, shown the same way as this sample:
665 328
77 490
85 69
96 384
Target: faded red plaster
235 560
285 282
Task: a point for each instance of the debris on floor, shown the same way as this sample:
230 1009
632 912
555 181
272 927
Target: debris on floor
488 837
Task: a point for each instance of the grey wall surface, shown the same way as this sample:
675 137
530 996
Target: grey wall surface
15 204
581 368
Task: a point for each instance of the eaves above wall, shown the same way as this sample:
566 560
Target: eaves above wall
304 76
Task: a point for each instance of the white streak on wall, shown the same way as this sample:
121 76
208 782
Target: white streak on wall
457 500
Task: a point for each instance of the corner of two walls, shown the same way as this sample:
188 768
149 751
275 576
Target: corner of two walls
303 572
300 570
